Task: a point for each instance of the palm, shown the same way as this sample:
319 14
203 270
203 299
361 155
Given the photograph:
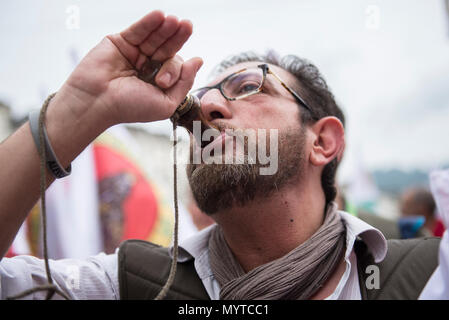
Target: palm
108 73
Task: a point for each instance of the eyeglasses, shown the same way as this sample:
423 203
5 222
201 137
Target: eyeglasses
245 83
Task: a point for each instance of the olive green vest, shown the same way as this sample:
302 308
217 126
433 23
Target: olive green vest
144 268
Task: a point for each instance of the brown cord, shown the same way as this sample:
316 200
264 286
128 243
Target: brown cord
148 74
50 287
172 273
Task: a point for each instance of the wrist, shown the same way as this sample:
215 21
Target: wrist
71 126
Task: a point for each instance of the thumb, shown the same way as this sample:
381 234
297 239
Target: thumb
189 70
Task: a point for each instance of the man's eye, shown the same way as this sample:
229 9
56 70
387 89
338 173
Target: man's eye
248 87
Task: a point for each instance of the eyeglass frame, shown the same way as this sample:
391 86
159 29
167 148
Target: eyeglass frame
265 70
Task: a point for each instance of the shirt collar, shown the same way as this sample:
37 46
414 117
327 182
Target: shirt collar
372 237
194 246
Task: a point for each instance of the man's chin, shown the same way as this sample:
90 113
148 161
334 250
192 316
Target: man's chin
218 186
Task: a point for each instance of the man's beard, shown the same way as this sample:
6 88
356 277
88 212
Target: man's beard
218 187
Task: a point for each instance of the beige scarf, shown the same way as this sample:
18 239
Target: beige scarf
296 276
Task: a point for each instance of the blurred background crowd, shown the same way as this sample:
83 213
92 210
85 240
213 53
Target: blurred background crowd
386 63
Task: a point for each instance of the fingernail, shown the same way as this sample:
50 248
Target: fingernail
165 78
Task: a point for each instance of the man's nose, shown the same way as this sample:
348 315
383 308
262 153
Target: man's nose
215 106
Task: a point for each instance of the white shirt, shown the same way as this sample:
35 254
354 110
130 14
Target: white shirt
348 287
97 277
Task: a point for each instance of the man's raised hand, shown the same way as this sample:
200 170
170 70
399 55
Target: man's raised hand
106 83
103 90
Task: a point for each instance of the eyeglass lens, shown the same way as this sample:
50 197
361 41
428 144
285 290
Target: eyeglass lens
239 84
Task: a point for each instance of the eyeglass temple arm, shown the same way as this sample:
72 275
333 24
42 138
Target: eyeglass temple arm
290 90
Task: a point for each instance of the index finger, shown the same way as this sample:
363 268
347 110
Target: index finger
139 31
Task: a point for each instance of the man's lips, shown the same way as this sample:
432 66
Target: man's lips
201 145
209 145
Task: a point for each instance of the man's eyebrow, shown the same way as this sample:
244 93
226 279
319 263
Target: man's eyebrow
214 82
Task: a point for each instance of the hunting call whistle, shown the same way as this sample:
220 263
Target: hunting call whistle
189 109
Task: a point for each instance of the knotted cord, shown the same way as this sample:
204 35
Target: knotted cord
172 273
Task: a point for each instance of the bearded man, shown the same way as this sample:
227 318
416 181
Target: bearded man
277 235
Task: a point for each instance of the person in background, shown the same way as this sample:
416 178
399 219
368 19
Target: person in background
386 226
418 203
391 229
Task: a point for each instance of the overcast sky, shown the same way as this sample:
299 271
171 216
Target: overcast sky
387 62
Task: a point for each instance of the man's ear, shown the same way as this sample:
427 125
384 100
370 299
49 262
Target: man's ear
328 141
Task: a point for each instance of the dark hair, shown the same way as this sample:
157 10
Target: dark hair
313 89
423 197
